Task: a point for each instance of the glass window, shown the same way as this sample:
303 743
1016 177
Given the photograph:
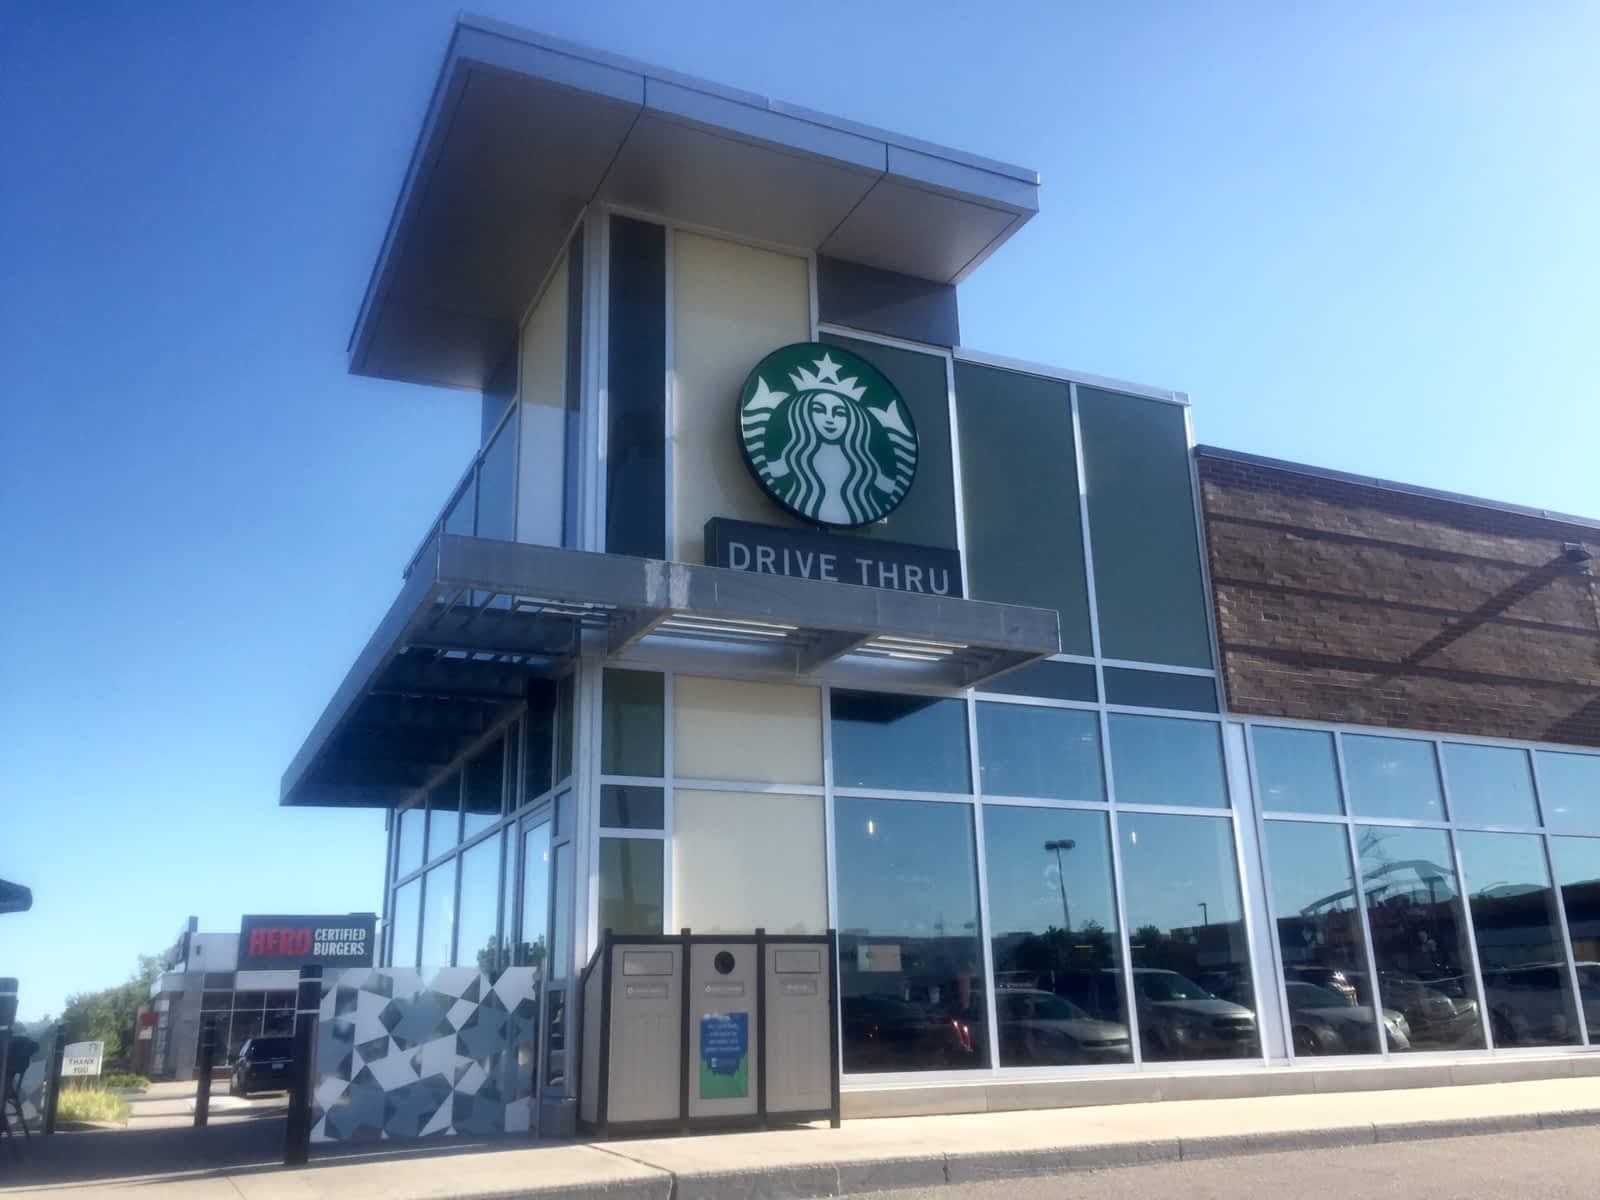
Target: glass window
1160 689
730 729
1191 961
1057 949
636 479
444 817
1296 770
1151 598
1419 935
562 815
1577 864
632 722
1392 777
408 854
1320 943
462 515
538 740
1048 681
1490 785
561 912
631 806
910 958
566 699
1167 760
532 942
631 884
403 929
1525 980
927 517
1050 752
908 743
497 485
1016 437
438 916
1569 789
726 851
481 804
477 937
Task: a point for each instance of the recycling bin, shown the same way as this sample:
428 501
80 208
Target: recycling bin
633 1003
677 1032
800 1043
725 1063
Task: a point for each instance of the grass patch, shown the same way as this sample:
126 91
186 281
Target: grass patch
91 1104
125 1079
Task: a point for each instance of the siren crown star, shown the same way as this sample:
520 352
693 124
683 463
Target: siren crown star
826 379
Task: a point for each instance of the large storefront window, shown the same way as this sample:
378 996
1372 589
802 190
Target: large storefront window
1526 984
1049 752
911 974
477 925
404 924
1419 935
1059 996
1472 944
631 885
438 914
1191 961
1168 761
904 743
1320 942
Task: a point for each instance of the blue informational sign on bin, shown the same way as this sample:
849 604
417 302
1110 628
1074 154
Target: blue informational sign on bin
724 1056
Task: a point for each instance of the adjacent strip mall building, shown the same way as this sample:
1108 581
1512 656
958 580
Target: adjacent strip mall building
1124 768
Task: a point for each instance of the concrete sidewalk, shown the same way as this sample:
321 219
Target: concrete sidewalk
870 1155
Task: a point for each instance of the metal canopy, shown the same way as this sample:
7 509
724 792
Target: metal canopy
477 619
14 897
523 132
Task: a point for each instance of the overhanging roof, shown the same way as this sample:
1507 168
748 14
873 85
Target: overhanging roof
476 619
523 132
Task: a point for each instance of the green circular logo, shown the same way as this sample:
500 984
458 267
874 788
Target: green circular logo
827 436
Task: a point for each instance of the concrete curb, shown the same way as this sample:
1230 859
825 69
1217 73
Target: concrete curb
802 1181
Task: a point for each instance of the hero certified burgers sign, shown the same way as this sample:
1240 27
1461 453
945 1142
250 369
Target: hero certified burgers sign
345 940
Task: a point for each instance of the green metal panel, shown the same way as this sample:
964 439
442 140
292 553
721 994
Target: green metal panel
1148 585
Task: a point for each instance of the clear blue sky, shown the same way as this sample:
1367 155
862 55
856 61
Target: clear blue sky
1360 235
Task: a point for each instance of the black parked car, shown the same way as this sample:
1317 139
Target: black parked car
262 1066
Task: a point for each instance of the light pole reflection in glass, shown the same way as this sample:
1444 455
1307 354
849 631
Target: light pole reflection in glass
1058 846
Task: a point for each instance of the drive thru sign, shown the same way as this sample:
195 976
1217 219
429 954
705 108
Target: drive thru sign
81 1058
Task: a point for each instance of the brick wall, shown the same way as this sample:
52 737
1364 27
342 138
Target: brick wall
1338 600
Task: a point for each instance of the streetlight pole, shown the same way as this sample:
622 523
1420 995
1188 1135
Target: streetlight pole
1205 913
1061 876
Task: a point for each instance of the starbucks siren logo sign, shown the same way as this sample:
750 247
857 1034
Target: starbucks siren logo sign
827 436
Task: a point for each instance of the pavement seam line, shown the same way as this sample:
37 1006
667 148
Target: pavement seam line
672 1176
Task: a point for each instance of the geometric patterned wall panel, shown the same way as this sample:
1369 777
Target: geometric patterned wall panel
403 1053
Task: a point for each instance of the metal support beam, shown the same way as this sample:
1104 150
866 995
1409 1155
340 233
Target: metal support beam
629 629
827 648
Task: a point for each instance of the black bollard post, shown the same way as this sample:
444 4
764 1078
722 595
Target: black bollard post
208 1055
52 1082
297 1131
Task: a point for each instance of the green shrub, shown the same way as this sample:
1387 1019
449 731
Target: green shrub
124 1079
91 1104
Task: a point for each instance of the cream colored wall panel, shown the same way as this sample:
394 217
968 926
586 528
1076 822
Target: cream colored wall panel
731 306
540 476
748 860
756 732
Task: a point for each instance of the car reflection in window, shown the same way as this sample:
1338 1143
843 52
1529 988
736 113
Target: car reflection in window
1180 1019
1325 1021
1039 1028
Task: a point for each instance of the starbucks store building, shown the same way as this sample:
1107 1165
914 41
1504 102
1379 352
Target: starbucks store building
1123 769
